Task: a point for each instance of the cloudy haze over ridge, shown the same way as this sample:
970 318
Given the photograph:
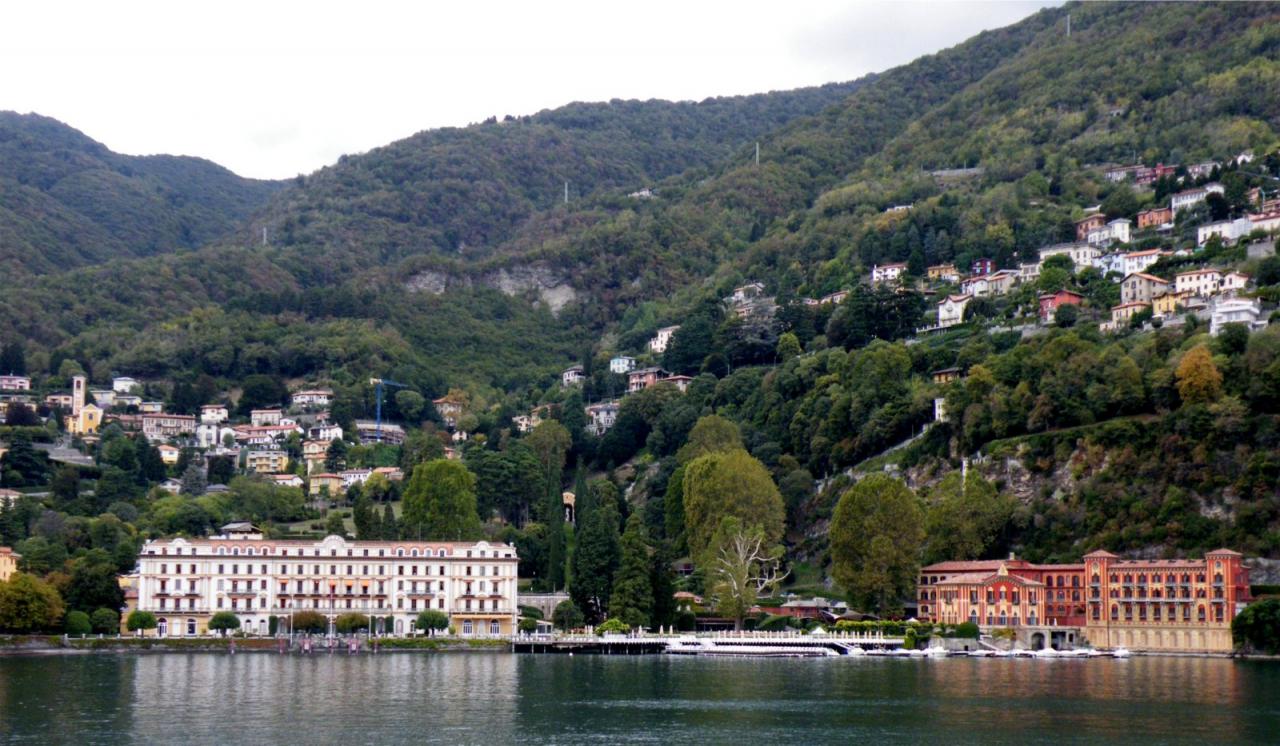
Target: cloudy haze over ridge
271 90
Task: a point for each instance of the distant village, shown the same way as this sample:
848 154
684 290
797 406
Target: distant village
1161 285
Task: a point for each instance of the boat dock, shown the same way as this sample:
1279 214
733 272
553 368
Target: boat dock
723 644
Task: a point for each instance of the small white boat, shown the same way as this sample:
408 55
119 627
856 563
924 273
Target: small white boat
937 652
1120 653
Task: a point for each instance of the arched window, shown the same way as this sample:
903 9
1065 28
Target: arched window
400 552
236 551
1115 613
440 553
191 627
222 550
413 553
162 627
1200 613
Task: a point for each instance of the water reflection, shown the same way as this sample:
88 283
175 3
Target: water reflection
500 698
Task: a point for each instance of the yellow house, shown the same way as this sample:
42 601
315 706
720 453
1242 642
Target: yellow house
320 481
169 454
1167 304
86 422
8 563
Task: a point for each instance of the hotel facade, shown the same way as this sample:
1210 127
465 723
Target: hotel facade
1183 605
184 582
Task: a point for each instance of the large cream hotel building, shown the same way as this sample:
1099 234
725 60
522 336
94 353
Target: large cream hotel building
185 581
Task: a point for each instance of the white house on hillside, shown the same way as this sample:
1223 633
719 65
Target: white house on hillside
951 310
1235 311
662 338
1191 197
1137 261
887 272
1229 231
1116 230
1203 282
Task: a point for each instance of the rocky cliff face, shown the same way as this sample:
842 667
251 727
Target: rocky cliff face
539 281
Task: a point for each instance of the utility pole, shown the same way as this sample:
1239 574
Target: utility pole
264 235
757 152
566 192
1068 25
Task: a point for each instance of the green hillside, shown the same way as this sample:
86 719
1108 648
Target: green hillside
450 263
67 201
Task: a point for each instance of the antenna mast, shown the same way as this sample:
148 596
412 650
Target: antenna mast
566 192
757 152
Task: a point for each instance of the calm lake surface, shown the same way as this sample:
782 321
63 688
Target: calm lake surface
496 698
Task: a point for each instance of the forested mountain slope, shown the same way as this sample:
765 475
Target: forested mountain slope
68 201
1026 103
463 192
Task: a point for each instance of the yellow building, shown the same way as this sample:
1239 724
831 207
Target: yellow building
8 563
319 481
86 421
169 454
1167 304
266 462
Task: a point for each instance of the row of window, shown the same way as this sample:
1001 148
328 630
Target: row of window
1170 614
248 586
1157 578
251 551
480 570
469 627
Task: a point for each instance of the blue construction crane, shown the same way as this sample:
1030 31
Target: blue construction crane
378 384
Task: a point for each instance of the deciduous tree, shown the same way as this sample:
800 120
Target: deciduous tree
440 502
1199 381
876 533
742 567
729 484
28 604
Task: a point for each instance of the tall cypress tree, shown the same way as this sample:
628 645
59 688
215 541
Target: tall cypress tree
555 531
663 581
632 596
390 529
595 559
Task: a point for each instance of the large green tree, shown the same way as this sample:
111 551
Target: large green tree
729 484
710 434
964 520
876 535
440 502
28 604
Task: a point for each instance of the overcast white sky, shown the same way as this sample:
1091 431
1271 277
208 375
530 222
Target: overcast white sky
272 89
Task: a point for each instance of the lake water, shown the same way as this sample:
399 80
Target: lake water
497 698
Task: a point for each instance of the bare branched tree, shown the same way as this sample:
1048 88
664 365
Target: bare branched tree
743 570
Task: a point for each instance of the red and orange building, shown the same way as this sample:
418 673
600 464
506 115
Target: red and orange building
1181 605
